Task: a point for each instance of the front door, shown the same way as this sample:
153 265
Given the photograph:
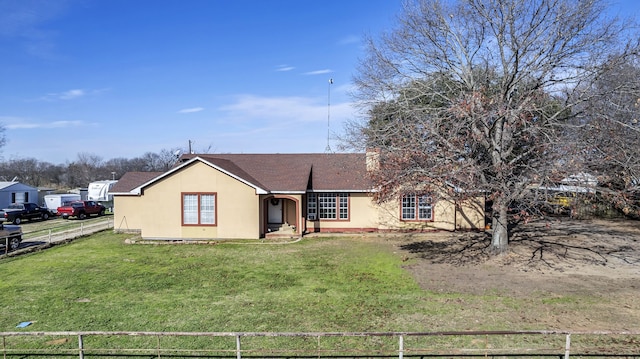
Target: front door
275 210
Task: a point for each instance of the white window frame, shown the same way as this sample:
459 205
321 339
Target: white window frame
416 207
199 209
328 206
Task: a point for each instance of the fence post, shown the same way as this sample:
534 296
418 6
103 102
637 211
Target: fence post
238 354
80 346
400 347
49 236
567 347
81 229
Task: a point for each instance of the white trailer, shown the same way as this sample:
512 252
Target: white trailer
53 201
99 191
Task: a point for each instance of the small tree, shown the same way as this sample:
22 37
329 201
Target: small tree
479 94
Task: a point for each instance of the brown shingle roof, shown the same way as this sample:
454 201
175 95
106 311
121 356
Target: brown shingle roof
279 172
297 172
131 180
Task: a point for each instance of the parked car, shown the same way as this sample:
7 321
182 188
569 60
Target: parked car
16 212
10 236
81 209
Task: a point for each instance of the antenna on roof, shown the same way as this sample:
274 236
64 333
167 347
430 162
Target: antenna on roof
328 149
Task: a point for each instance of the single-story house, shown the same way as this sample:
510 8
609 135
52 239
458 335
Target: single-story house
16 192
225 196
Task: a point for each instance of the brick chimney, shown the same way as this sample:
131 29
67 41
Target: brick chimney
373 159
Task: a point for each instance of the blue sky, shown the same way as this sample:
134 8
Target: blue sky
118 78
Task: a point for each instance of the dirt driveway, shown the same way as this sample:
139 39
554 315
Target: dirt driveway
573 274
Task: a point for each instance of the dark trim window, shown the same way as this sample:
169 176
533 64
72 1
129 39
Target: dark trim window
19 197
328 206
199 209
416 207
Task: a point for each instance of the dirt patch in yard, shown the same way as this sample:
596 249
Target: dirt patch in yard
573 274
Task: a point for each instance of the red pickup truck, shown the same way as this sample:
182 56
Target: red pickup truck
81 209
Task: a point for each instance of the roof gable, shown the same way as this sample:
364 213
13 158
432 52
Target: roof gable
130 180
302 172
271 173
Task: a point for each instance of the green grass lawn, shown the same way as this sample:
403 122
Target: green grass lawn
100 283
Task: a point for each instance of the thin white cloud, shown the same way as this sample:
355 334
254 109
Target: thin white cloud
283 110
246 121
21 124
191 110
284 68
319 72
348 40
72 94
66 95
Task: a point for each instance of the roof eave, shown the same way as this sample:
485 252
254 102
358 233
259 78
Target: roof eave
342 190
138 189
124 193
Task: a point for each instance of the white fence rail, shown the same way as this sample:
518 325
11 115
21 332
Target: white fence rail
82 229
59 233
494 344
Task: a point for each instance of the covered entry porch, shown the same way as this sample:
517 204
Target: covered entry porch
282 216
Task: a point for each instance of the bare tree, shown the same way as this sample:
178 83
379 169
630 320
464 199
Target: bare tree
478 95
84 170
3 139
31 171
161 161
609 136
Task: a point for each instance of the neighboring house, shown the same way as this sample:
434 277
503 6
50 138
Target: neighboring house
224 196
16 192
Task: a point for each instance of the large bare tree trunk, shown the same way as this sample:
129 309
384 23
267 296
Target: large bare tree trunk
470 97
500 237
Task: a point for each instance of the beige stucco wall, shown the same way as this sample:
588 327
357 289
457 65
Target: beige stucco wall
363 215
124 210
158 212
468 215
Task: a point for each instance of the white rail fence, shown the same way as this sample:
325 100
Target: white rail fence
56 234
82 229
493 344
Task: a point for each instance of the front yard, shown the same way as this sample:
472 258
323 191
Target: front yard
579 276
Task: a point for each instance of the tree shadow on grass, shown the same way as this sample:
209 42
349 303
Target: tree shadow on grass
551 244
456 248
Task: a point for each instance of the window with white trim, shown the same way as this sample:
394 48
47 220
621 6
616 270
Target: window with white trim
199 209
328 206
416 207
